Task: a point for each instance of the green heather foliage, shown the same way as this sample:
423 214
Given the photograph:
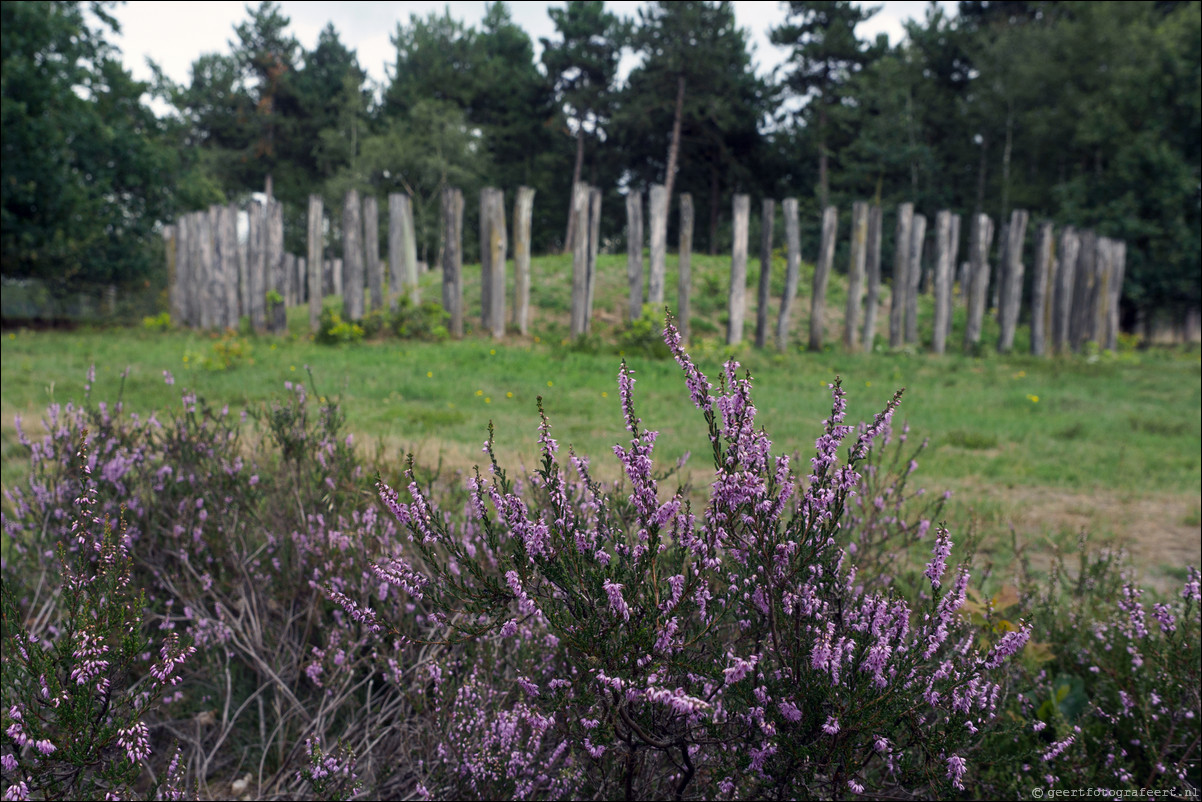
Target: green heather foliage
790 626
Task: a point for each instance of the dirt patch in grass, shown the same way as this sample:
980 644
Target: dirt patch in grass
1161 532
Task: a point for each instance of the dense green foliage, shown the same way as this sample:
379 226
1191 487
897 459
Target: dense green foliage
1085 113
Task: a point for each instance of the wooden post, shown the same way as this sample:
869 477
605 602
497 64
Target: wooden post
594 241
659 244
792 270
1043 289
767 218
275 257
684 279
901 274
302 279
1062 302
855 275
980 241
352 258
634 252
738 270
371 252
1012 288
1118 266
914 275
579 318
244 276
954 242
942 280
397 285
523 210
205 295
258 266
873 271
1101 295
315 260
496 244
170 240
822 273
1087 256
999 278
452 257
486 256
228 247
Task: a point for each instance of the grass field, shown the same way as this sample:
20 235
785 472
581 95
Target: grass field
1044 446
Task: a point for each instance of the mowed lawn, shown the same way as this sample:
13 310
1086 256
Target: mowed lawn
1046 447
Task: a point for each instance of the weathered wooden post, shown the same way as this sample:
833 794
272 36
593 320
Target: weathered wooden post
954 242
205 294
767 216
493 244
397 285
371 252
914 275
1101 298
523 210
942 280
822 273
980 241
170 237
1118 266
1062 302
659 244
738 270
901 274
999 278
301 280
258 266
594 242
684 277
855 275
244 276
276 321
579 317
1087 258
452 257
1043 289
490 197
873 270
792 270
352 258
228 245
1012 288
315 260
634 252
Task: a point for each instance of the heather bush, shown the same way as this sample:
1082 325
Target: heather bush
550 635
79 672
636 648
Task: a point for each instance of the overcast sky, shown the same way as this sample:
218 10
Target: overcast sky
173 34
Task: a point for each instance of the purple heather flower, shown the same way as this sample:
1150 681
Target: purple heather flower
939 554
135 741
831 726
614 591
956 766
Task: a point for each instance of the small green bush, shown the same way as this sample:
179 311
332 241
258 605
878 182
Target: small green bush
333 330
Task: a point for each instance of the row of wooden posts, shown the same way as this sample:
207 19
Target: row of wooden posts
1077 279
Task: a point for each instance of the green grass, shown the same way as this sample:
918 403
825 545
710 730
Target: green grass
1001 427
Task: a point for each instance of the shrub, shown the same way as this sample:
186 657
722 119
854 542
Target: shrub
642 337
79 673
333 330
424 321
629 646
159 322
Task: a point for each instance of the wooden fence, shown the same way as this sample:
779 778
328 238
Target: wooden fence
1073 299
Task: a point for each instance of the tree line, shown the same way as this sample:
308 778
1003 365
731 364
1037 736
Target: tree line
1086 113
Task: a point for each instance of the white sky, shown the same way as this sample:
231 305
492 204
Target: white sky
174 34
